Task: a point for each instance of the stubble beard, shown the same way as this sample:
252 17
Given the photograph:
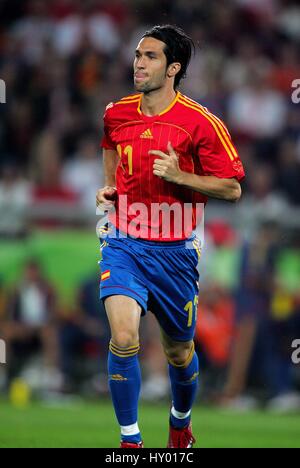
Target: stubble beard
149 87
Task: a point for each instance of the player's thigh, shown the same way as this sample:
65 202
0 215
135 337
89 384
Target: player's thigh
174 296
174 304
124 315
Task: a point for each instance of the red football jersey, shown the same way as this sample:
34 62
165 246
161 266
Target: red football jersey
148 206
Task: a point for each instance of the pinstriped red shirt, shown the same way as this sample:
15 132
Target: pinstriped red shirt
203 146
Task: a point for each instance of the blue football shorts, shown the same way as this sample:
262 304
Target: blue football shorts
161 276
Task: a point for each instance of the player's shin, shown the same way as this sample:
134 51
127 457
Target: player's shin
184 383
124 383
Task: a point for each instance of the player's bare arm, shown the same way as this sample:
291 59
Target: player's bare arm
105 195
167 167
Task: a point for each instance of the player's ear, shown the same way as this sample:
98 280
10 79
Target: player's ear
173 69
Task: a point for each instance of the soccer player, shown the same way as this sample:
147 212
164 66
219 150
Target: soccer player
160 149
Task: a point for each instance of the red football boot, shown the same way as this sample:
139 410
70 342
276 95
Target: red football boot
181 438
131 445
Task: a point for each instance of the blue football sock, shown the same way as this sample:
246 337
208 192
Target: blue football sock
125 383
135 438
184 384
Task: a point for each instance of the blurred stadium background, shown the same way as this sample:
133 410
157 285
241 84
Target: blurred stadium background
62 62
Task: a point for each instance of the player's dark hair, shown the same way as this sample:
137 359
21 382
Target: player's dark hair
178 46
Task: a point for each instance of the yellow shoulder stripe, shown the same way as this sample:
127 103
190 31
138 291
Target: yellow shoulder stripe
218 128
218 121
194 103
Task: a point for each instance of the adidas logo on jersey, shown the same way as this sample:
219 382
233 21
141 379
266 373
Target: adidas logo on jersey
146 134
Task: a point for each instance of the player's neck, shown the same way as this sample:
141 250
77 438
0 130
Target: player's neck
157 101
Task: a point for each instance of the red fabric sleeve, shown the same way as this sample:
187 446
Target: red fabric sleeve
106 141
216 152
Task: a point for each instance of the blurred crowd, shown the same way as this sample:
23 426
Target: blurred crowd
62 62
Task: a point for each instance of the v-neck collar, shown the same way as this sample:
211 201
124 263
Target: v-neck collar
153 117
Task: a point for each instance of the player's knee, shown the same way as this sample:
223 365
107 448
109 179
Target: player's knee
178 355
177 359
125 339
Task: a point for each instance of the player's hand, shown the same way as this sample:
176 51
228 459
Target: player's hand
167 167
106 197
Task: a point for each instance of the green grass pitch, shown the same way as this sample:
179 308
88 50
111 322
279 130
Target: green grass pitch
93 425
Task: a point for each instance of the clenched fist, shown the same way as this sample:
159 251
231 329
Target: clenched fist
106 197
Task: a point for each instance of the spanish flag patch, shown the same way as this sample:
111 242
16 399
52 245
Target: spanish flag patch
105 275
